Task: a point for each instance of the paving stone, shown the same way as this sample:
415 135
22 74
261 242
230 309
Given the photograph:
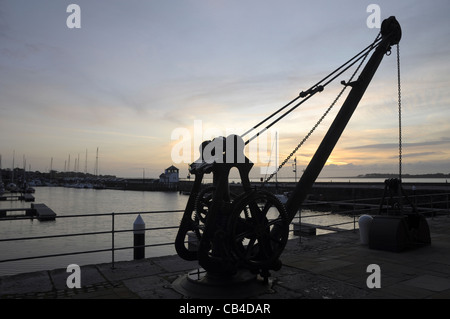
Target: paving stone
129 269
433 283
152 287
26 283
89 275
175 263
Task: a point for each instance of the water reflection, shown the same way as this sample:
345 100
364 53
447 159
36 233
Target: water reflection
72 201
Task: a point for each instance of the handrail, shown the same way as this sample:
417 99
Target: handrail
84 234
353 212
111 231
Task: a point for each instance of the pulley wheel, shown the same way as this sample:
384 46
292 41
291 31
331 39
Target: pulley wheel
258 231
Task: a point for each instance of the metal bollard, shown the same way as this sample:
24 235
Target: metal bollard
139 238
364 223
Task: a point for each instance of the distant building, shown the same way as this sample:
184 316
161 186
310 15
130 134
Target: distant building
170 175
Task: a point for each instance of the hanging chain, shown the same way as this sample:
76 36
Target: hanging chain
319 121
399 115
305 138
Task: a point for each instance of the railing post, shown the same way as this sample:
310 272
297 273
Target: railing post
112 241
354 209
139 238
300 225
446 197
431 206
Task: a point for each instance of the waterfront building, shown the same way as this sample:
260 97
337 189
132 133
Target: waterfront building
170 175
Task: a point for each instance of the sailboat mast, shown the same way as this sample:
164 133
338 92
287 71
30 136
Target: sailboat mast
85 163
96 164
276 158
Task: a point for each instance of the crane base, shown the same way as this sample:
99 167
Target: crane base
199 284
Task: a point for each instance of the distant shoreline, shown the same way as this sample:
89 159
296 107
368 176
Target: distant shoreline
377 175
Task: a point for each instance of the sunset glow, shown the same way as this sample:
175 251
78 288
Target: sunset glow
137 70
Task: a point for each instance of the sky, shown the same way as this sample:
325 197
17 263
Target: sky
140 80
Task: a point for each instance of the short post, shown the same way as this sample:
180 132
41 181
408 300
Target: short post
112 240
139 238
446 198
364 223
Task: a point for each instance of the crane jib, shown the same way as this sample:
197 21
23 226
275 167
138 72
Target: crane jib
391 35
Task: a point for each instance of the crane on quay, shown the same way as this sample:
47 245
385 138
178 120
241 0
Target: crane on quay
242 236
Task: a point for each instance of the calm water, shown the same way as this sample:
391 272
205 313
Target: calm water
73 201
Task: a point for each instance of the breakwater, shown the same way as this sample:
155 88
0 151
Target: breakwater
432 196
422 193
331 191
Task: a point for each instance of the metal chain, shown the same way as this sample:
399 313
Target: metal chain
399 115
318 122
305 138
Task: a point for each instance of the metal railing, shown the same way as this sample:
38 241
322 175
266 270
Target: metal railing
113 231
430 203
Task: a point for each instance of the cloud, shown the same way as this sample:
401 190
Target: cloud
140 70
420 154
396 145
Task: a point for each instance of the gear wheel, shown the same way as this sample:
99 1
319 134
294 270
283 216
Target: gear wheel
258 230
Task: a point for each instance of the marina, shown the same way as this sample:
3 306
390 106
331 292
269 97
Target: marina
40 211
23 196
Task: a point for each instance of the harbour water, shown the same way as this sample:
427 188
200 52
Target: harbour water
73 201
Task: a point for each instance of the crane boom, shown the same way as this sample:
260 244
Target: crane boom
391 35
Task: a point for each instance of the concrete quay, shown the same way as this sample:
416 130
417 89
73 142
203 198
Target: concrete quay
332 266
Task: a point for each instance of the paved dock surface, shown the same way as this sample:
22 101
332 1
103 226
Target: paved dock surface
332 266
